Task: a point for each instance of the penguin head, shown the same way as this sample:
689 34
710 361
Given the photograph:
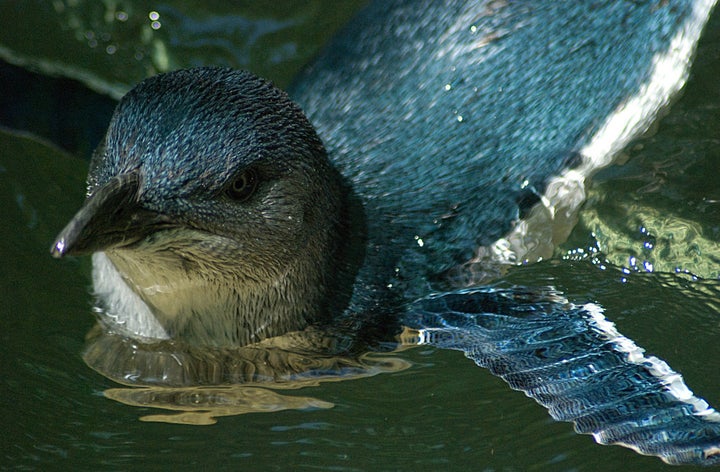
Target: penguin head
214 167
212 198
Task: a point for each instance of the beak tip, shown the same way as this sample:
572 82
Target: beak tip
58 248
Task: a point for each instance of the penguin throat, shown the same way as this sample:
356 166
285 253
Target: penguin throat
152 301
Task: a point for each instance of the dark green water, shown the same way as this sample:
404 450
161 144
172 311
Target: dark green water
655 220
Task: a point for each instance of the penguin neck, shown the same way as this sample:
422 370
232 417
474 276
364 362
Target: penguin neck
150 296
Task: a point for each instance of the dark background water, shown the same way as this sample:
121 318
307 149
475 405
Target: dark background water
645 249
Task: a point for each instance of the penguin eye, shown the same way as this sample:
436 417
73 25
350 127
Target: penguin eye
243 186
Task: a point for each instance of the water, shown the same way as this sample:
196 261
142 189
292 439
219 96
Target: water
654 223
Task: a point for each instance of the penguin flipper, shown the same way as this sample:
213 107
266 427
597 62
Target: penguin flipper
574 362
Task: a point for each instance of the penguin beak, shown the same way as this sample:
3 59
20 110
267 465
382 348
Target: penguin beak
111 217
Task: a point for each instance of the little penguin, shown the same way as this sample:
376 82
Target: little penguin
426 146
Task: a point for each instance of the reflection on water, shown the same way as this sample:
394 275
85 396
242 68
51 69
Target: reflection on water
202 405
660 211
294 357
204 383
